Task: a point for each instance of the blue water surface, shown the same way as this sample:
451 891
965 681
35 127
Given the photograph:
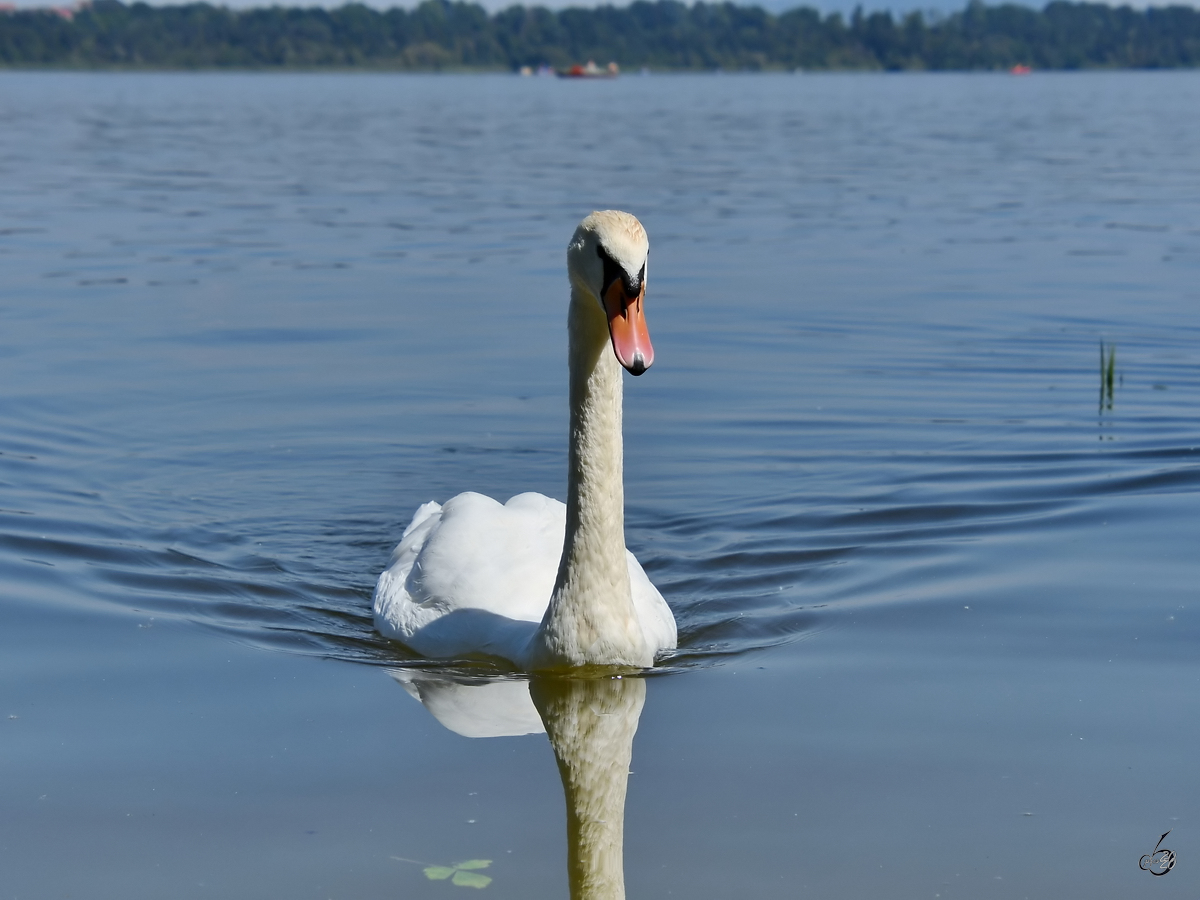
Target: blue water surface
936 576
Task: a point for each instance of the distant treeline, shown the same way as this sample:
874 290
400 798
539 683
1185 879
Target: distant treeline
663 35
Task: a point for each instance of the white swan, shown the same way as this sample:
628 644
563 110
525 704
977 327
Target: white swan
477 578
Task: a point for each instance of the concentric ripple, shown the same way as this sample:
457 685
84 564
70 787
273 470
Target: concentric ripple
245 337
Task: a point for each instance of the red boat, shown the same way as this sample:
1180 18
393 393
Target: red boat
591 70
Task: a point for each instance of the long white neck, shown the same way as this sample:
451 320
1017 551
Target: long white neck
591 724
591 618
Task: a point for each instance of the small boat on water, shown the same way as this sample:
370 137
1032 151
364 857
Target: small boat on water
591 70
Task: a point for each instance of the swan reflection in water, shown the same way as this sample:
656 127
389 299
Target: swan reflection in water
590 723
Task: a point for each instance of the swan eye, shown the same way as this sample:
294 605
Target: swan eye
613 270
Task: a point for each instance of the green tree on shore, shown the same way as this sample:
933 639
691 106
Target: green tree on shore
440 35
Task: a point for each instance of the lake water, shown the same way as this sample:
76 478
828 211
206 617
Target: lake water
938 584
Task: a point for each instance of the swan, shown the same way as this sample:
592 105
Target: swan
543 585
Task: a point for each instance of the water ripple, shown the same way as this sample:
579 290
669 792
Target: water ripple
246 336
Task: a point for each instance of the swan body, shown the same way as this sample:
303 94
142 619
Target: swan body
542 584
474 577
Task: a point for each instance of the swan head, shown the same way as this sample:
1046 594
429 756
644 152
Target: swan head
606 260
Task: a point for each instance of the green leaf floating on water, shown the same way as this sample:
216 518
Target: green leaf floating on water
461 874
471 879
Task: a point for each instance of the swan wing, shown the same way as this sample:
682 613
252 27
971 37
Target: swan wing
473 576
658 623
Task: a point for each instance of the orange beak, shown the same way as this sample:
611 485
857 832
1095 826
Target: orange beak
627 327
